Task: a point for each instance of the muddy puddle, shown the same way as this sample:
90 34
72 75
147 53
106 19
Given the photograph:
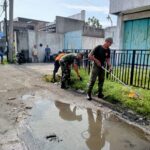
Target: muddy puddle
60 126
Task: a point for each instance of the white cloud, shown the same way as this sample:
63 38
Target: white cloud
90 8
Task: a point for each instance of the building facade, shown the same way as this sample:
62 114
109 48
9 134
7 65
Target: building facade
64 33
133 25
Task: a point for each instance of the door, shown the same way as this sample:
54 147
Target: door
127 34
136 34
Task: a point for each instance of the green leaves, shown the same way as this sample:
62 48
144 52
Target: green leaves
94 22
117 93
114 92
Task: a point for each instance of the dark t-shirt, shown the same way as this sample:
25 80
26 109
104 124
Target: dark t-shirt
47 51
101 54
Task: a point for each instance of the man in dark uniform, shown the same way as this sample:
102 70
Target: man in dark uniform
99 55
65 62
47 54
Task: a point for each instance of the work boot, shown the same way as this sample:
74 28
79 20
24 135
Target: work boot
100 95
63 86
88 97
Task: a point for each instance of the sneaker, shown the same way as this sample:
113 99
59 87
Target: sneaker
100 95
88 97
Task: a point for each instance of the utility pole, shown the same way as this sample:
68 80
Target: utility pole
6 27
11 36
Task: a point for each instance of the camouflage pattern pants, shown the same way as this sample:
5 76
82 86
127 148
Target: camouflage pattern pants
96 72
66 70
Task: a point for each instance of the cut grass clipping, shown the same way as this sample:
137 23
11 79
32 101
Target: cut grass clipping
114 93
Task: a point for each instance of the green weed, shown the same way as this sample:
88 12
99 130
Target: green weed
114 93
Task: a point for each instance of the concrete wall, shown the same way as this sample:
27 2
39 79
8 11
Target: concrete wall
120 30
91 42
54 40
137 15
64 25
31 41
112 32
125 17
22 40
79 16
73 40
117 6
93 32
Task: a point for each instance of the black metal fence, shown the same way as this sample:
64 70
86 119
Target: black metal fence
130 66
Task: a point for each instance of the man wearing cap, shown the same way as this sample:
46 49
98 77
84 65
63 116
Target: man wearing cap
100 55
65 62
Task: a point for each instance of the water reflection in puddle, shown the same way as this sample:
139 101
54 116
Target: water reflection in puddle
61 126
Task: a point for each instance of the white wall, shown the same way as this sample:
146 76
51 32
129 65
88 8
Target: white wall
120 23
22 40
55 42
79 16
126 5
31 41
91 42
112 32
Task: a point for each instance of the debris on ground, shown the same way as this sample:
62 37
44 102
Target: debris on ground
53 137
28 107
11 98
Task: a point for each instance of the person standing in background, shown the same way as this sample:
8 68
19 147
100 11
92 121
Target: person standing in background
1 54
35 54
47 54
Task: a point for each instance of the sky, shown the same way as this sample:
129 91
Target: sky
47 10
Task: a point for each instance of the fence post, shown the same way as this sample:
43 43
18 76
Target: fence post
114 58
132 67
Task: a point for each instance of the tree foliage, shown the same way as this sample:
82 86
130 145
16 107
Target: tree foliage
94 22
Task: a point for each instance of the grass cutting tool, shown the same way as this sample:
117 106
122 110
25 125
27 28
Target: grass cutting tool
132 93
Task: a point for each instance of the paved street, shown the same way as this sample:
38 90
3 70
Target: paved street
34 112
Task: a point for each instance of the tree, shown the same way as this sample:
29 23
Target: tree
94 22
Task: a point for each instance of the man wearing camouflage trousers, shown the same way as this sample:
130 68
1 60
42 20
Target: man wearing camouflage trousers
57 64
65 62
99 55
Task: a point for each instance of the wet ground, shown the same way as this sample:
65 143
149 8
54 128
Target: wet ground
57 125
35 115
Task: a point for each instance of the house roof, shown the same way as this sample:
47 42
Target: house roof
28 20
